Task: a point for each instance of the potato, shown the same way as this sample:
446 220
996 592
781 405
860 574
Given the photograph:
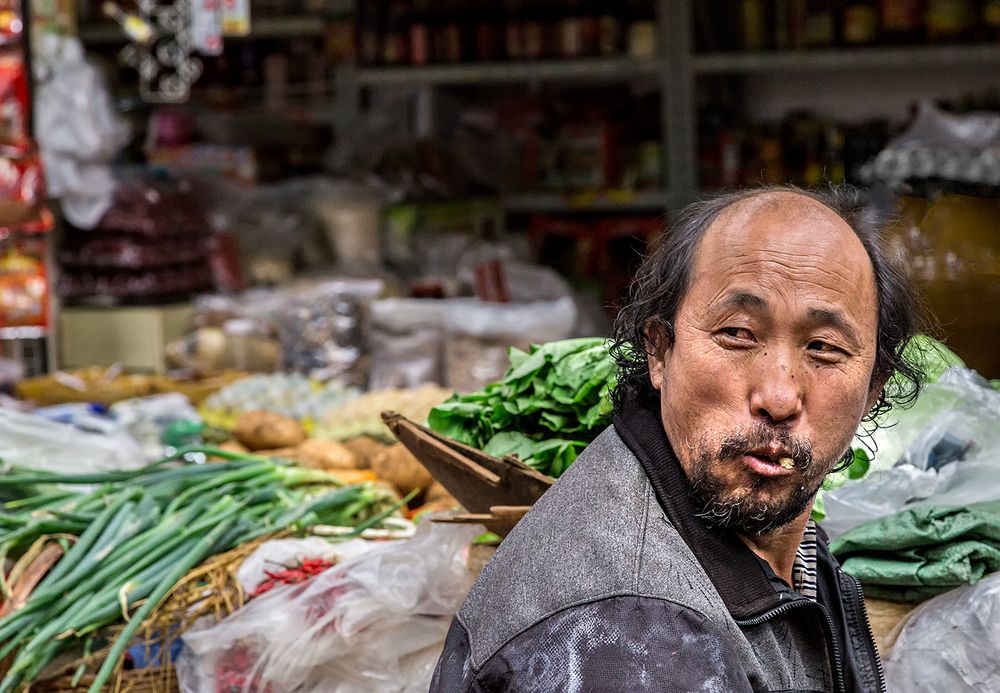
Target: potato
325 454
365 448
401 469
263 430
233 446
280 453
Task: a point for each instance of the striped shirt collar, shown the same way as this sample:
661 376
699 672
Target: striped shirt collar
804 568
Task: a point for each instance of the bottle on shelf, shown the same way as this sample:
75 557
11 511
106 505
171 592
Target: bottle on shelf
901 21
570 30
609 30
860 23
514 29
820 24
950 21
754 25
990 20
420 33
396 40
533 31
369 33
488 43
590 27
782 22
641 32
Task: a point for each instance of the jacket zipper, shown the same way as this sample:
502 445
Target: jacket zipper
859 600
835 654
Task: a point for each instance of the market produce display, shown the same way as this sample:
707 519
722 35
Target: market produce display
290 394
363 416
551 402
130 536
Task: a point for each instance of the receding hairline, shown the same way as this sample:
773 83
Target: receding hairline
744 209
781 201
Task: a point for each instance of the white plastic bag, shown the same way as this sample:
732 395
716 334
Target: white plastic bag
79 130
374 624
31 441
949 643
956 417
146 418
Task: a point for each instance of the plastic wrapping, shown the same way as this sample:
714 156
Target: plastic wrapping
146 419
480 334
949 643
406 339
942 145
36 443
285 552
945 450
79 131
373 624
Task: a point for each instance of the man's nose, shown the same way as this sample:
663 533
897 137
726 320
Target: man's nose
778 389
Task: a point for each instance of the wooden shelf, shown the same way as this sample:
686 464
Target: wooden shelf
505 72
897 57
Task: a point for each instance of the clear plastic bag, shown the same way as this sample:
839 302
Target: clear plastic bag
945 450
374 624
407 342
949 643
287 552
480 335
37 443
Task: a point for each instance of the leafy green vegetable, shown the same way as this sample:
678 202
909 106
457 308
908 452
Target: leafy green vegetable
551 402
933 356
856 470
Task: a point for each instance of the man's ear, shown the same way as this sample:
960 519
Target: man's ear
658 344
875 391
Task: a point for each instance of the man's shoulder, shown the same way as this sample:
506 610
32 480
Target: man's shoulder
598 533
615 644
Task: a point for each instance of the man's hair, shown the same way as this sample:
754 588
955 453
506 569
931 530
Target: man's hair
664 277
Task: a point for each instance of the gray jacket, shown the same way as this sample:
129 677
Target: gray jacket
611 583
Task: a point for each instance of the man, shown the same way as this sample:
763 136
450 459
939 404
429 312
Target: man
677 553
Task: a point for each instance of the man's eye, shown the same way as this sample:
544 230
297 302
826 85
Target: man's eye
739 333
825 348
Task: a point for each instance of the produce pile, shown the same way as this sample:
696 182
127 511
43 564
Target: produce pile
128 537
289 394
363 416
551 402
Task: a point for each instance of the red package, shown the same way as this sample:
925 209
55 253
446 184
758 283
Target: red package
22 190
24 284
14 103
10 20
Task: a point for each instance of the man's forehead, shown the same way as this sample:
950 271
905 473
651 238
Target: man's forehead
783 223
790 243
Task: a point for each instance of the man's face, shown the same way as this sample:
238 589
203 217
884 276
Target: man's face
770 369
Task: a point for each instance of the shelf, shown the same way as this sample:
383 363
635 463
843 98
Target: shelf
616 201
478 73
265 27
847 59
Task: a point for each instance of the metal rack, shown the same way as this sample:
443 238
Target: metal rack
676 71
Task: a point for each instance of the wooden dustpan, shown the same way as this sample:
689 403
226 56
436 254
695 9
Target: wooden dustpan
496 492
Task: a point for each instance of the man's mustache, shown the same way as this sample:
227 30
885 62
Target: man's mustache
763 435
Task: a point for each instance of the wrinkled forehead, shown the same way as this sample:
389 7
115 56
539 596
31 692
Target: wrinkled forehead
793 242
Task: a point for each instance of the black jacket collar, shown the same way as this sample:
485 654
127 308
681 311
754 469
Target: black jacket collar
747 586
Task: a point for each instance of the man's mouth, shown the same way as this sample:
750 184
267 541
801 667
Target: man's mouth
772 461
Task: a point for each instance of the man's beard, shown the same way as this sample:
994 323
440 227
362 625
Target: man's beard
754 509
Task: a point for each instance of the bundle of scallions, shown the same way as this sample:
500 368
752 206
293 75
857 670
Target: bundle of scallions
130 536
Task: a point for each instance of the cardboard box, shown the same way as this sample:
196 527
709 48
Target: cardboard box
136 337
